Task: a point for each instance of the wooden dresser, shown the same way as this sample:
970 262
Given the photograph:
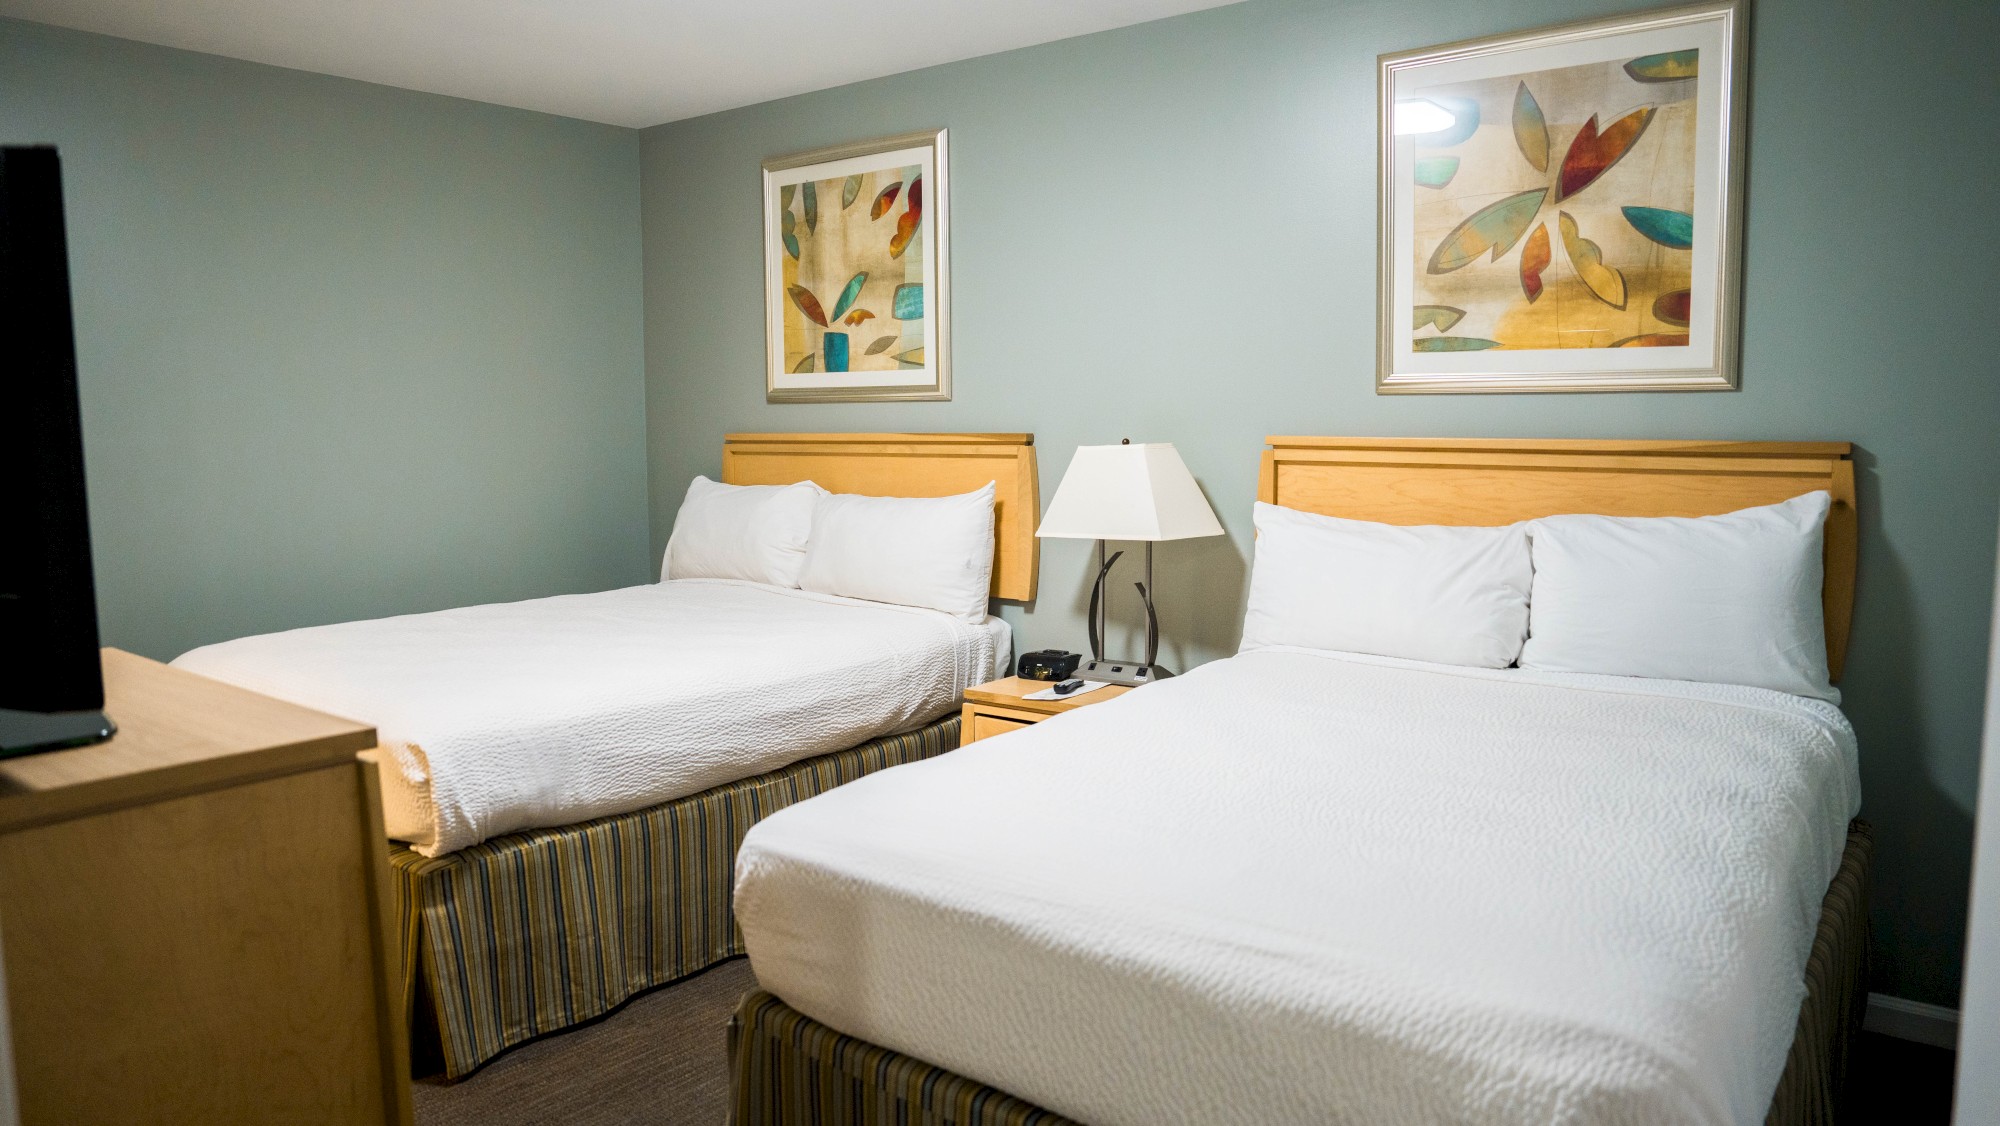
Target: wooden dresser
193 915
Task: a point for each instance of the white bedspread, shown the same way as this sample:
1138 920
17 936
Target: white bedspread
548 712
1293 887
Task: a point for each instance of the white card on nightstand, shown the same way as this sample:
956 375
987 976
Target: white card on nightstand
1050 693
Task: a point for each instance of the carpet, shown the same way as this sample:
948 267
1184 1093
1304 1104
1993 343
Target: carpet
659 1058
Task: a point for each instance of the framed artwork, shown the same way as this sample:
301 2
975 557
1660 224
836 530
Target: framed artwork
1561 210
856 299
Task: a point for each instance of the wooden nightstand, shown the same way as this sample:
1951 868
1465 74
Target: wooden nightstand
996 707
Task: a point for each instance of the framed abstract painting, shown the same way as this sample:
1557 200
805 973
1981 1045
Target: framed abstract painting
1561 210
856 299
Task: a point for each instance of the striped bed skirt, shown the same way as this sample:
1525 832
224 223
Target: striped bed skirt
787 1069
540 930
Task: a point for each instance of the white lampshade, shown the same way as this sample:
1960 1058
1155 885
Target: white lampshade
1142 492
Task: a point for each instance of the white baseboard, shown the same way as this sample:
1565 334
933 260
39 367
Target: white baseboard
1912 1020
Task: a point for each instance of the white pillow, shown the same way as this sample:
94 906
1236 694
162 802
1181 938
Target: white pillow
1456 596
753 532
931 552
1729 599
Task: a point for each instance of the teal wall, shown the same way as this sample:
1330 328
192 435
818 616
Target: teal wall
344 350
1167 233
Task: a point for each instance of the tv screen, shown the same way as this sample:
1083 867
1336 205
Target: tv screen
51 681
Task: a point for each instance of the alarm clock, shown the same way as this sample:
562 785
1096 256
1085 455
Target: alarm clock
1048 664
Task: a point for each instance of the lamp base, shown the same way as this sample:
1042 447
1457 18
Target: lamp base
1129 673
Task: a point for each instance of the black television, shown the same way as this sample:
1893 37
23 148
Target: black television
51 680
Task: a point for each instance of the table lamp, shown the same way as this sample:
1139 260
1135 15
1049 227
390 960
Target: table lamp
1126 492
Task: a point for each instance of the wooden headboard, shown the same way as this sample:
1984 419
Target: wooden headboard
912 465
1498 481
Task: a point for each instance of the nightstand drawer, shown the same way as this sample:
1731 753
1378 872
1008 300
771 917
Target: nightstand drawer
985 721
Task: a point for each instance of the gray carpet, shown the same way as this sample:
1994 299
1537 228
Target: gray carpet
658 1059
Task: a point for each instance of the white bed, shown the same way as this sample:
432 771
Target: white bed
557 710
1301 886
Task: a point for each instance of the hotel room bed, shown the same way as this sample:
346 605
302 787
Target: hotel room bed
569 777
1311 886
1410 893
555 711
788 1068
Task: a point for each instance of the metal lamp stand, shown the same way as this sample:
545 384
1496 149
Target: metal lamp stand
1100 667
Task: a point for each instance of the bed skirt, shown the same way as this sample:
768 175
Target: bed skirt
786 1069
1815 1075
544 929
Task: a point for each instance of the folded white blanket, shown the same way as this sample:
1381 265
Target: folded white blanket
548 712
1295 887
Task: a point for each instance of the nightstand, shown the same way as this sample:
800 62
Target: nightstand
997 707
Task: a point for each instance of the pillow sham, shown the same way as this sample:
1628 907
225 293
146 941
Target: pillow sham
1456 596
1732 599
753 532
933 552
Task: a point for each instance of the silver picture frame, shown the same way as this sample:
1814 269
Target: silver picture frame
1708 360
782 385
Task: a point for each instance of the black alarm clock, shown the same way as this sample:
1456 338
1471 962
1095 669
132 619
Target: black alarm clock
1048 664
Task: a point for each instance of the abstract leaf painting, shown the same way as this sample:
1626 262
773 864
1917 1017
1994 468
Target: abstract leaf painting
1593 171
855 284
1585 236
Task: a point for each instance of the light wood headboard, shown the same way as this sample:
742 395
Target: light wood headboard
912 465
1498 481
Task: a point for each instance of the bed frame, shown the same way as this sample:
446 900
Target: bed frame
788 1070
540 930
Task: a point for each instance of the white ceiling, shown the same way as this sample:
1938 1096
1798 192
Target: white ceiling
626 62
